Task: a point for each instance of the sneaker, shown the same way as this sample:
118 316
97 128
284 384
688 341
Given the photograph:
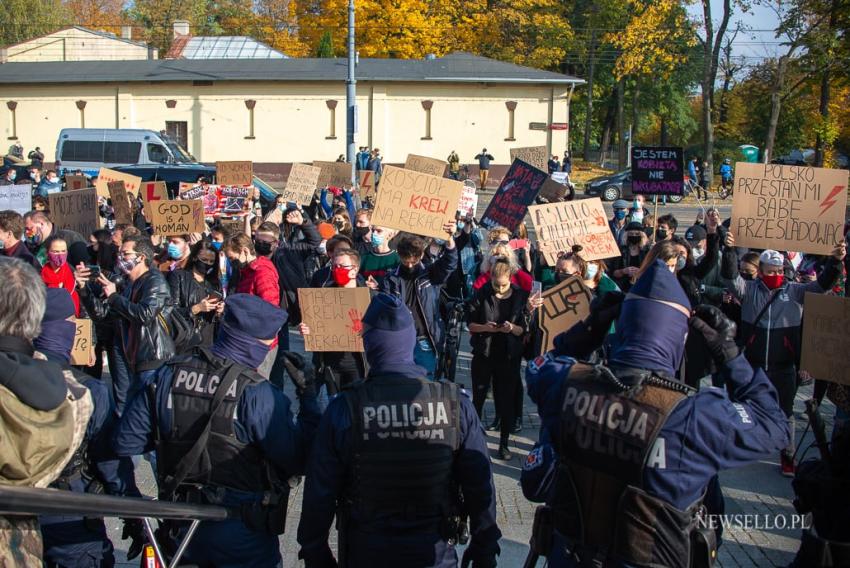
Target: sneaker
786 464
517 426
495 425
504 453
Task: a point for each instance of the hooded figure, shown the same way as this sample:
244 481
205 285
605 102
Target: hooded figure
57 330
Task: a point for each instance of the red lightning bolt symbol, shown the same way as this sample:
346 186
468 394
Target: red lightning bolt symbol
830 201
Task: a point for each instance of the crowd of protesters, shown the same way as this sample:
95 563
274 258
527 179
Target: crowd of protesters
152 298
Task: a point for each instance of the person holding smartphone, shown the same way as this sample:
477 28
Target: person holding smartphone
196 290
498 317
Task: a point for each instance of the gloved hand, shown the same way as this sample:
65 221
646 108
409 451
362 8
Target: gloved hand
470 557
717 331
304 382
134 530
604 311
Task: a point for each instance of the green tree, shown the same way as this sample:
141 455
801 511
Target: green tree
326 46
26 19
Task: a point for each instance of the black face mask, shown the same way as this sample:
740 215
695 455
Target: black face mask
661 234
203 268
633 239
407 272
747 276
560 277
263 248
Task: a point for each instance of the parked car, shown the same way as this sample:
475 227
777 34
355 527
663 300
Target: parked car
619 186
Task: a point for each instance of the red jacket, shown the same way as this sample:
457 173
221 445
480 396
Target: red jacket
62 278
522 279
260 279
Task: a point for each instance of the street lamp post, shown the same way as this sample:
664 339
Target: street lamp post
350 96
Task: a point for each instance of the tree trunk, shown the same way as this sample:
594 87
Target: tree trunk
823 108
711 53
663 136
588 119
635 112
621 124
775 107
607 128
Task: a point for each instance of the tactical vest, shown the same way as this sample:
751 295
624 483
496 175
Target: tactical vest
406 433
606 436
225 461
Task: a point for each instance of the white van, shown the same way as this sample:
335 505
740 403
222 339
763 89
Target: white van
89 149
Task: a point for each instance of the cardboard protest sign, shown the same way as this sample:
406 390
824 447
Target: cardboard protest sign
517 191
788 207
151 192
418 203
233 199
826 337
121 207
367 184
336 174
234 173
334 317
233 226
658 171
301 184
468 206
83 343
563 306
178 217
105 175
422 164
16 197
75 211
537 156
75 182
553 191
559 226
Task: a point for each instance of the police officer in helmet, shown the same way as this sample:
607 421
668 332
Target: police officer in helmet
224 435
400 461
635 450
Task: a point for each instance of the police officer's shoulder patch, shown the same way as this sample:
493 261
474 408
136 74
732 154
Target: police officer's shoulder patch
534 459
537 363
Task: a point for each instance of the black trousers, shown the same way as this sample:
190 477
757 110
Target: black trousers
504 374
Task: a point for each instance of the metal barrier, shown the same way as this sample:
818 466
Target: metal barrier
28 501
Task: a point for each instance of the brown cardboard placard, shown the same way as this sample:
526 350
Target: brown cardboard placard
301 184
559 226
76 182
81 353
366 184
415 202
234 173
173 217
151 192
426 165
334 317
826 340
232 225
537 156
75 211
121 207
336 174
553 191
563 306
792 208
105 175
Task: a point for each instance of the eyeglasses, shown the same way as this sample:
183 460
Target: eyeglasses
499 242
127 254
345 266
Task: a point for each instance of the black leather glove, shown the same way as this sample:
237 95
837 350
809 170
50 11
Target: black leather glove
304 381
476 561
717 331
604 311
134 530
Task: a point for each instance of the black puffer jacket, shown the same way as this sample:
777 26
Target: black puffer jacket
482 309
296 259
187 292
143 313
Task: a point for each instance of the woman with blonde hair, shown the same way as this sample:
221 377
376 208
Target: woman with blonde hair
500 249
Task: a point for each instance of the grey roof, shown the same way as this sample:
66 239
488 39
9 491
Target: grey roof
455 67
228 47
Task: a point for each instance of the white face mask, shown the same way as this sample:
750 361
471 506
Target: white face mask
697 253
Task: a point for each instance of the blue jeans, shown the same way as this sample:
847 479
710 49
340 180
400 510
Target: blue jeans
425 356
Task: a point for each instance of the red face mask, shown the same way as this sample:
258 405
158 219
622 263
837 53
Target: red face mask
773 281
341 275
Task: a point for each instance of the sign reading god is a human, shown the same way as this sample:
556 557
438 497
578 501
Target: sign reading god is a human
788 207
415 202
334 316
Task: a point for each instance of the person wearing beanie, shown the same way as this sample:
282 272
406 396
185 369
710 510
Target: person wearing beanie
94 468
254 443
635 447
772 320
397 448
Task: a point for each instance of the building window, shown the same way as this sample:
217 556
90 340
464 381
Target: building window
332 110
13 120
81 105
511 105
178 130
426 105
250 104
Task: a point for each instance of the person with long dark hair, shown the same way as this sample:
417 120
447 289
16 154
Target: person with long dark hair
103 250
196 290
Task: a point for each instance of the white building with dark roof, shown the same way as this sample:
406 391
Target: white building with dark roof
77 43
284 110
